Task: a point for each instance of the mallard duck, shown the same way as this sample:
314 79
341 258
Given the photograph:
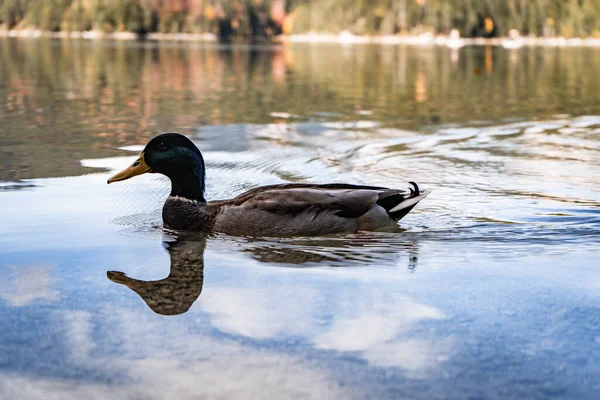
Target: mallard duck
293 209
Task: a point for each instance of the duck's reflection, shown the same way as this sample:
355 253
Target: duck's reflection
369 249
176 293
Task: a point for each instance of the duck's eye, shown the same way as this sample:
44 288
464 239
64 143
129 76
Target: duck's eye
162 146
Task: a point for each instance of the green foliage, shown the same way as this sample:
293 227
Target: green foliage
46 15
13 11
536 17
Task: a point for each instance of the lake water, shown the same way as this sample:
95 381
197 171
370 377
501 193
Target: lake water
492 290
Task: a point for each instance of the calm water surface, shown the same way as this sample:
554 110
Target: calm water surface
492 290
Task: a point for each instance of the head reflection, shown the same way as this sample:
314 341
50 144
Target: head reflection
176 293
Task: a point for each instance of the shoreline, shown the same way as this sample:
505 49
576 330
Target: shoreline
344 38
99 35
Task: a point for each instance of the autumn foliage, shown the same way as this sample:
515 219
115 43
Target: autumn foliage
266 18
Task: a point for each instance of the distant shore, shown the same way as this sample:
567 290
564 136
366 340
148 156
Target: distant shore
441 40
95 35
344 38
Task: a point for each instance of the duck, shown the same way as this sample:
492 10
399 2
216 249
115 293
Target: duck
289 209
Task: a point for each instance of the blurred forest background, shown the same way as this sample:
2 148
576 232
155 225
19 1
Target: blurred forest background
253 19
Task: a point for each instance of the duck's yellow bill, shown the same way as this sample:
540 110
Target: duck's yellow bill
137 168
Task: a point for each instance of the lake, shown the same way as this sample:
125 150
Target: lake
490 291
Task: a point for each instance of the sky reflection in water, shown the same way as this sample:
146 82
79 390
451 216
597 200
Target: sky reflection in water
490 290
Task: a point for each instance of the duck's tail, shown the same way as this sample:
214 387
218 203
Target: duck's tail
400 204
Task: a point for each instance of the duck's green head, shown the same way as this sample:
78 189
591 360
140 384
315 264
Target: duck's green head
175 156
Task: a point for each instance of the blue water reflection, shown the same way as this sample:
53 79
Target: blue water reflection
409 319
488 291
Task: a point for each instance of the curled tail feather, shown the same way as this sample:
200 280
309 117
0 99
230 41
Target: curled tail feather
399 203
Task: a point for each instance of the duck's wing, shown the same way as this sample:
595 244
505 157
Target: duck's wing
343 200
